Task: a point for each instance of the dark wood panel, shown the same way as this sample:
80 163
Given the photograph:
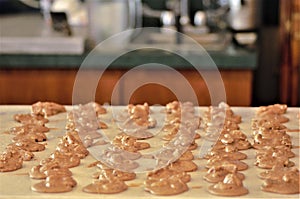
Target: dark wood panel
290 51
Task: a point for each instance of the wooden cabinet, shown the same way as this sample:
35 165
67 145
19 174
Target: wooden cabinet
290 52
237 83
28 86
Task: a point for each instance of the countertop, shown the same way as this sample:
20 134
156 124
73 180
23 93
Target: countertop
229 57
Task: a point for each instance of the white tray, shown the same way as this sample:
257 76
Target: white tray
17 184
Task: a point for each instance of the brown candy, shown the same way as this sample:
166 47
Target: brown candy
124 176
269 134
233 155
236 138
10 160
129 143
30 119
232 185
102 125
276 150
267 160
277 172
29 128
48 169
173 107
139 134
183 165
260 142
100 110
219 161
288 183
28 145
218 173
277 118
66 160
167 173
166 186
72 144
171 130
139 113
55 184
193 146
37 137
266 124
47 108
35 172
188 155
106 184
272 109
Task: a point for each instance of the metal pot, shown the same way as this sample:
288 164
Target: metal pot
244 15
109 17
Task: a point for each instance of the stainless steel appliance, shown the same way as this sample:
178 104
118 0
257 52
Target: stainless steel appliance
109 17
244 19
244 15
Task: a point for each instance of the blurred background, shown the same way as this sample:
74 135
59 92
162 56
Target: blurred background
254 43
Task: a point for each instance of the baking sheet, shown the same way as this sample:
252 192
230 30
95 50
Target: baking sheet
17 184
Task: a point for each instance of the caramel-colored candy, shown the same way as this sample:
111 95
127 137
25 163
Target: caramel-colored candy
124 176
29 128
55 184
267 161
106 184
100 110
260 142
166 186
72 144
28 145
235 155
232 185
272 109
139 113
129 143
277 172
167 173
49 169
37 137
30 119
183 165
287 184
10 160
219 160
218 173
26 155
47 108
278 150
277 118
188 155
102 125
66 160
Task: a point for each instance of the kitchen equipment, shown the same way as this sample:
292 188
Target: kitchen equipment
29 34
60 14
74 9
244 19
109 17
244 15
